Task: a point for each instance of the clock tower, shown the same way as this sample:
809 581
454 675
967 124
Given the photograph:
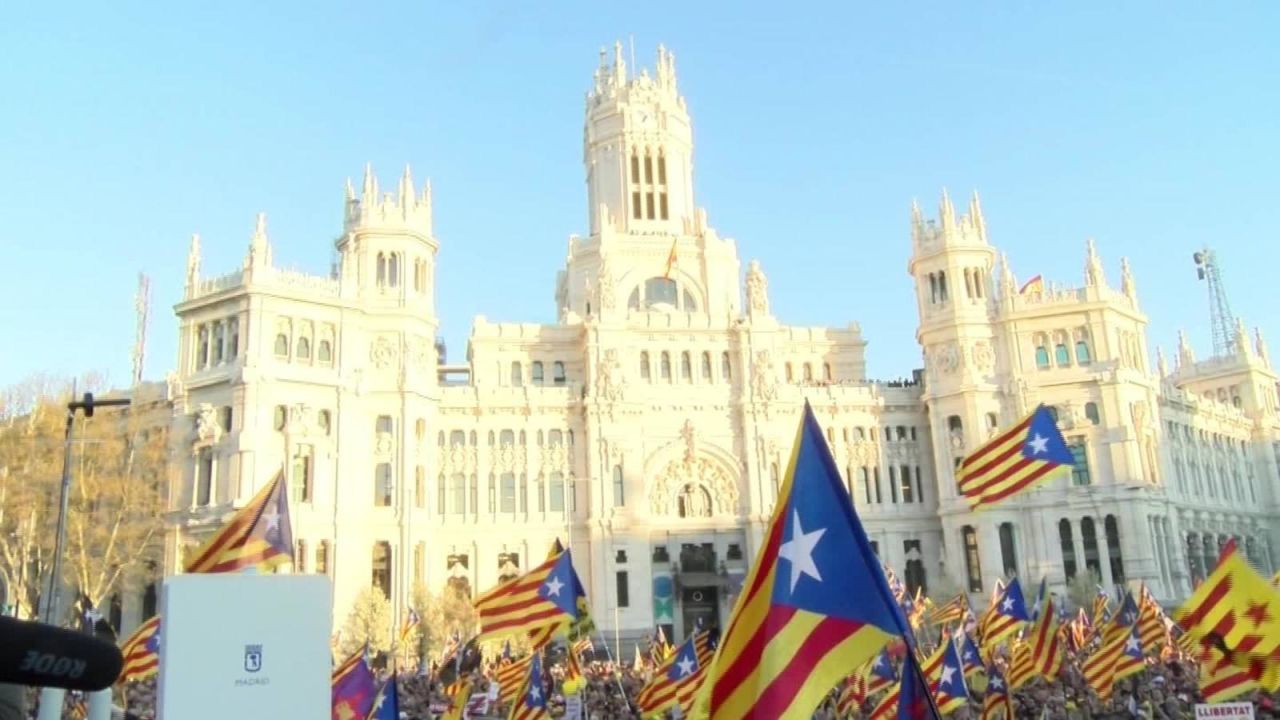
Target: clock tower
638 148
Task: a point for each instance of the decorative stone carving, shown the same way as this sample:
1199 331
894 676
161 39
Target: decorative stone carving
1093 273
608 291
609 376
382 353
764 379
956 439
690 435
688 479
946 358
207 428
174 386
1138 410
864 452
422 353
984 358
555 458
757 289
298 419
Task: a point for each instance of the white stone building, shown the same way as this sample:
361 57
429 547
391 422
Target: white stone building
650 423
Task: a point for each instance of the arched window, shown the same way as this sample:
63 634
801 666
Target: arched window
942 286
1112 529
304 349
282 345
788 373
644 366
619 488
557 492
202 347
382 269
217 343
1082 353
1091 412
664 366
1061 355
381 578
808 372
537 372
300 556
1068 548
1089 538
324 353
826 371
458 492
204 477
1008 553
893 484
278 417
706 366
383 486
866 483
517 374
507 498
557 373
325 420
726 368
686 367
419 486
393 270
972 563
300 483
660 291
233 339
1042 357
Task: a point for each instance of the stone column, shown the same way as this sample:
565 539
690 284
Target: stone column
1104 554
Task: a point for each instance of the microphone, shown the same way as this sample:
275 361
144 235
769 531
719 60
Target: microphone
39 655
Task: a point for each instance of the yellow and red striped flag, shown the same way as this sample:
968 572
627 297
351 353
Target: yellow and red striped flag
545 596
1151 625
1018 458
1021 668
1220 681
141 652
1237 611
511 675
457 701
951 611
1006 614
1034 286
531 702
996 705
1046 643
258 536
815 602
678 677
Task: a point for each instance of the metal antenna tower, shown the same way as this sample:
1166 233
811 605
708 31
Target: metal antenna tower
1222 322
142 305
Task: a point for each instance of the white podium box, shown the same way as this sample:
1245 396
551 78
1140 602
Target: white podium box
245 647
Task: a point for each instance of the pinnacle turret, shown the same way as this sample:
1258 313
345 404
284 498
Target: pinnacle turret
1261 347
193 263
406 210
1127 285
1186 356
1162 365
949 230
259 255
1094 275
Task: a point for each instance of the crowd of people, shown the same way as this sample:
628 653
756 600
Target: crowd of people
1167 690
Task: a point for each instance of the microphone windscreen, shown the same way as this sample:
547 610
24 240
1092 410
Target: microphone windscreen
39 655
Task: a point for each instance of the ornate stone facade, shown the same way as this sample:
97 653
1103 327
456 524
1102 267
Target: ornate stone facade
650 426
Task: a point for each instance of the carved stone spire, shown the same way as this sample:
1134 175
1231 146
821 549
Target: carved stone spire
1162 365
1243 348
193 265
1008 284
1093 273
946 212
1261 346
407 200
1127 286
975 215
369 194
1186 356
259 248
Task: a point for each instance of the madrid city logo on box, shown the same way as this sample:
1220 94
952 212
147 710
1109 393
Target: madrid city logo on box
252 658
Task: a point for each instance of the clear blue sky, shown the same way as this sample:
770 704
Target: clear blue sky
123 130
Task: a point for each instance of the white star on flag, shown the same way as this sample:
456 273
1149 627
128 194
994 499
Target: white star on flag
685 665
1007 605
997 683
273 520
554 585
947 672
1133 645
799 551
1039 444
535 693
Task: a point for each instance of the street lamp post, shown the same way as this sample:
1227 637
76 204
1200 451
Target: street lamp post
51 699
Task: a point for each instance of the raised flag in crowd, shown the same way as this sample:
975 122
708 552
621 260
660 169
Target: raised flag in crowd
815 602
259 535
1015 460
